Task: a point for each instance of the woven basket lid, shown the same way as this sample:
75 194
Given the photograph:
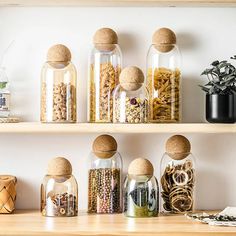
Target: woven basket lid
140 166
59 166
5 180
59 53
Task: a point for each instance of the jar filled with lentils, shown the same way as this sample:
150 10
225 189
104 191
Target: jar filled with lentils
105 67
164 77
104 177
130 99
58 86
59 190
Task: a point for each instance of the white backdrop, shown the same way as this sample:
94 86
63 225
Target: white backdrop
204 34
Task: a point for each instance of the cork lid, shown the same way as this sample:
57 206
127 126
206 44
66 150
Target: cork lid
131 78
59 166
105 36
104 146
178 147
140 166
59 53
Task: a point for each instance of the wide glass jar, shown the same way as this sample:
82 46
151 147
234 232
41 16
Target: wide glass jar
164 77
58 87
105 67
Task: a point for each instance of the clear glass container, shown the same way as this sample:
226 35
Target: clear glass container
177 184
4 94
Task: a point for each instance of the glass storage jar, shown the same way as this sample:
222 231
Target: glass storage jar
104 180
164 77
177 176
105 66
130 99
59 190
141 193
58 86
4 94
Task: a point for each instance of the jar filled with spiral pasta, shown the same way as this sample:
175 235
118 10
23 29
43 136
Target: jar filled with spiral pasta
58 86
177 176
104 177
164 78
105 67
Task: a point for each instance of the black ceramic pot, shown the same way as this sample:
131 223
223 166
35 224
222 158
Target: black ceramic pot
221 108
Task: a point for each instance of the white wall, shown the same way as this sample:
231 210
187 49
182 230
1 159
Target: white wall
204 34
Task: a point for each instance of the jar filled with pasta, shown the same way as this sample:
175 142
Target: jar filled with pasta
177 176
58 86
130 99
164 77
104 177
105 67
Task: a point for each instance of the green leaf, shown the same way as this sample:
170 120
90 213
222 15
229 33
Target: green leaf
3 85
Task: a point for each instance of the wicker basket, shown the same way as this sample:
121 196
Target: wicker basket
7 193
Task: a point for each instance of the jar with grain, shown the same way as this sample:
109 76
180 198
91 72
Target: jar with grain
105 67
177 176
104 177
141 193
58 86
130 99
59 190
164 77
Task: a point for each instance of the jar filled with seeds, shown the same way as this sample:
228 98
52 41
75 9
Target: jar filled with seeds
58 86
177 176
141 193
130 99
104 177
105 67
164 77
59 190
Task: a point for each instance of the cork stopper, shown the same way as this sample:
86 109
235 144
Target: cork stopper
164 39
59 53
104 146
59 166
140 166
178 147
131 78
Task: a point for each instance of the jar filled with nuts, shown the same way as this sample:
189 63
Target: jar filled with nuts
105 66
59 190
104 177
177 176
58 86
164 77
141 193
130 99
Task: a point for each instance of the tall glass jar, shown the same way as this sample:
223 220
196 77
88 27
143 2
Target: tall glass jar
141 193
59 190
177 176
4 94
130 99
104 177
164 77
105 67
58 86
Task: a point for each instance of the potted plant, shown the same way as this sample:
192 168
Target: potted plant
220 92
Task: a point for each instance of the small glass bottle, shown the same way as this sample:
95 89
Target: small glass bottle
4 94
141 193
58 86
105 67
130 99
104 180
164 77
59 190
177 176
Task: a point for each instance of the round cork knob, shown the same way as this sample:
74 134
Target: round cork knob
59 53
164 39
178 147
140 166
131 78
59 166
105 36
104 146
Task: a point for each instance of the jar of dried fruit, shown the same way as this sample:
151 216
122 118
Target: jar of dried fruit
58 86
59 190
177 176
164 77
105 66
104 180
141 193
130 99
